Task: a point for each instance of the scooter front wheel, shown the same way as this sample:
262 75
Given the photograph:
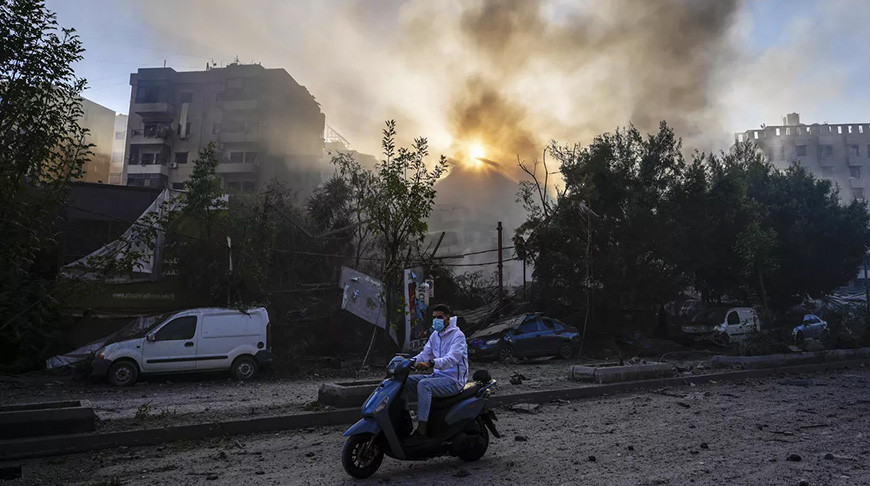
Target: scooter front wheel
361 456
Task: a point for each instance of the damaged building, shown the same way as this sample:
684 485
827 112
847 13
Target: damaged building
264 124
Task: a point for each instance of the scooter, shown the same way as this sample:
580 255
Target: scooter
458 425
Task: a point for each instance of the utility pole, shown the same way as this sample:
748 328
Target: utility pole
500 266
230 274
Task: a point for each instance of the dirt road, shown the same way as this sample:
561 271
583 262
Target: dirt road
785 430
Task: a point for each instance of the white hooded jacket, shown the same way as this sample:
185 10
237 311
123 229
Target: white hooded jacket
449 353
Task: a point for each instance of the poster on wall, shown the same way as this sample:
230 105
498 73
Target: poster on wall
364 297
418 290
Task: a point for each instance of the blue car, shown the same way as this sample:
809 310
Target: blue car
812 328
524 336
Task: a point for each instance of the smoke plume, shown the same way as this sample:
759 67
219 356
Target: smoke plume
510 75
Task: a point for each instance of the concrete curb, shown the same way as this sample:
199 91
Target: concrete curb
67 444
782 360
34 420
612 374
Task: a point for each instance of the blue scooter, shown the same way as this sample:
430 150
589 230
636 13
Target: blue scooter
457 425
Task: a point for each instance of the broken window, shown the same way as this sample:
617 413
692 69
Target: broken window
148 159
826 150
855 172
250 157
801 150
237 157
180 157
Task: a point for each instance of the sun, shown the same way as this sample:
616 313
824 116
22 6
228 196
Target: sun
476 152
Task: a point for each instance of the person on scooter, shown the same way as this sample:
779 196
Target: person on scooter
447 353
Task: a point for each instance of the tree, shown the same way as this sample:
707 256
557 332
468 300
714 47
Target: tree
43 150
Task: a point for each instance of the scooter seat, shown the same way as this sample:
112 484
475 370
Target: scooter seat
468 391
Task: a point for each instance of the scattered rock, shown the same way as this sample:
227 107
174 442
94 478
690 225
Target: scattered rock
794 458
521 438
704 445
211 476
309 454
631 447
259 473
684 404
517 379
804 482
591 459
829 456
525 407
461 473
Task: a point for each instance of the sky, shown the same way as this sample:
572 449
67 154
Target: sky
507 75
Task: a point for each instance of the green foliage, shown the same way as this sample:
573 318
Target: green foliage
43 150
654 224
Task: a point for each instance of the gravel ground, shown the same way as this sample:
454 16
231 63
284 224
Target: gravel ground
184 399
783 430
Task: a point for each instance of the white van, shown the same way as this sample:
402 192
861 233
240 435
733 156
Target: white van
192 340
723 324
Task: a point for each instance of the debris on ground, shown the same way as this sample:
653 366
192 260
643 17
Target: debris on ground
794 458
517 379
525 407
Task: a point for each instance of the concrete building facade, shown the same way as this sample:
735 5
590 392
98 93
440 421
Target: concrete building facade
839 152
99 121
265 126
119 142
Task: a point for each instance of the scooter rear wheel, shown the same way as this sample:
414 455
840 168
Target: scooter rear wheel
359 458
481 444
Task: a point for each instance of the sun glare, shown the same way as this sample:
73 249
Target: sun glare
476 152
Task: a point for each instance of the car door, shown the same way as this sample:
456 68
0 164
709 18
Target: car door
813 326
732 323
525 338
550 337
172 347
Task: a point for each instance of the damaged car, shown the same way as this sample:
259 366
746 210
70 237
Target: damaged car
723 325
524 336
813 327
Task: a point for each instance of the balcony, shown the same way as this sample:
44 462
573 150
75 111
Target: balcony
237 168
151 135
231 105
147 169
154 109
237 137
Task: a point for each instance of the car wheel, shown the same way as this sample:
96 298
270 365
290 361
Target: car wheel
799 337
566 350
123 373
360 459
505 353
244 368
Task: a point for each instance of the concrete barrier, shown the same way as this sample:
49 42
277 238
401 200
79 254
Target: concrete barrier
33 422
613 374
781 360
347 394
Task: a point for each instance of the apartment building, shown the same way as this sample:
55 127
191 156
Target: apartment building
119 142
265 125
837 152
99 121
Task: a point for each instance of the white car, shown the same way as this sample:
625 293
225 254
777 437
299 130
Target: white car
725 324
192 340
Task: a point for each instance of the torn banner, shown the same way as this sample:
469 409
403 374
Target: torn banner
365 298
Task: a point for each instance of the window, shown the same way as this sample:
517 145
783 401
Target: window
249 186
119 135
855 172
234 186
858 193
827 171
528 327
826 150
178 186
800 150
733 318
237 157
180 157
148 159
177 329
853 150
186 129
250 157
